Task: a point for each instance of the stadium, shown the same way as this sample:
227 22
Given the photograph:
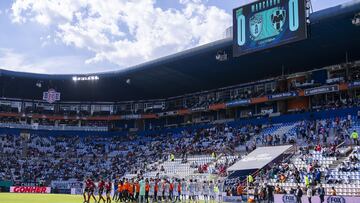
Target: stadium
271 113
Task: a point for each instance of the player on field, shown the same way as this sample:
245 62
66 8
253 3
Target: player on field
116 189
120 190
126 186
171 191
178 196
183 189
86 189
101 187
206 191
212 191
220 187
147 190
191 191
131 190
91 190
108 191
166 190
176 190
137 189
197 190
159 187
152 190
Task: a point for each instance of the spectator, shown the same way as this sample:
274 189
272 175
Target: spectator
355 137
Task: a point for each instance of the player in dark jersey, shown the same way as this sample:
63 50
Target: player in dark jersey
120 195
116 189
108 191
101 186
86 189
91 190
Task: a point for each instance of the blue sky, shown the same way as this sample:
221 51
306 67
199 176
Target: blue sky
83 36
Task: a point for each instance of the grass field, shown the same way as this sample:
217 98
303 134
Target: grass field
40 198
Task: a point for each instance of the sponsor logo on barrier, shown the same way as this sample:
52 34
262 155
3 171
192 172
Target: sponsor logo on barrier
232 199
199 109
282 95
232 181
289 199
131 116
65 184
238 103
321 90
29 189
328 199
336 199
354 84
168 113
76 191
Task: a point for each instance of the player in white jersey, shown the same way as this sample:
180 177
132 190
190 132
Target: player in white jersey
220 186
166 190
212 191
197 190
183 190
206 191
158 195
191 190
178 190
151 190
175 191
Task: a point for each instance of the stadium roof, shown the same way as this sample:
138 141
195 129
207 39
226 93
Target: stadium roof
333 39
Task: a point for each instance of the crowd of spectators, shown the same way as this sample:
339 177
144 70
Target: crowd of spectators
34 158
41 159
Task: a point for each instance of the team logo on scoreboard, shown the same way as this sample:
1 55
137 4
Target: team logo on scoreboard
51 96
278 18
256 24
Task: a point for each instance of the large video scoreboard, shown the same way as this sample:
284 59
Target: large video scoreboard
267 23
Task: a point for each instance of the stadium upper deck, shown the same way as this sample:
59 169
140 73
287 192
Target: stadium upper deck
193 87
333 40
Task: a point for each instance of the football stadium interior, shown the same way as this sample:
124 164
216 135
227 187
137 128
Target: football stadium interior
272 125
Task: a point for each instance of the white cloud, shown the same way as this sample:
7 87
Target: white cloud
11 60
125 32
45 41
14 61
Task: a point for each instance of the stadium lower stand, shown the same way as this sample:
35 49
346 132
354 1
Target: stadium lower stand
326 155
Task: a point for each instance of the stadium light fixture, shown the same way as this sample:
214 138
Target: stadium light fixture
356 20
39 84
85 78
221 56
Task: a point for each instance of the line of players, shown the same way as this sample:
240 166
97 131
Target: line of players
167 190
102 187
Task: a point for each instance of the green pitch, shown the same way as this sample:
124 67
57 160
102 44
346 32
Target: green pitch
40 198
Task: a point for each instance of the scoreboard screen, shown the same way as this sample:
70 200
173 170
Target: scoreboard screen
267 23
